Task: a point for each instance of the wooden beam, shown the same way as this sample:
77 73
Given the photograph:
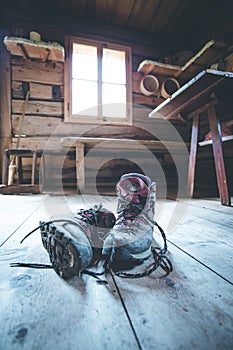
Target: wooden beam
23 51
202 108
140 99
46 56
142 43
37 72
19 188
37 107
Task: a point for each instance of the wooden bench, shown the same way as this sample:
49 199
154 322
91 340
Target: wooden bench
113 145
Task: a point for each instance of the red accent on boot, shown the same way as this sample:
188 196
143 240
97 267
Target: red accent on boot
132 189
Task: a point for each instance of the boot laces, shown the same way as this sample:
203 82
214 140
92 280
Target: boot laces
159 257
88 216
129 212
134 195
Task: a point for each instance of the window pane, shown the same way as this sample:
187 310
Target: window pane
84 97
84 62
114 66
114 101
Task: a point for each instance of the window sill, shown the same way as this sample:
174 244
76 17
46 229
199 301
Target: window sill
97 121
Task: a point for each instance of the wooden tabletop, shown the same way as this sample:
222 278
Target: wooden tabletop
194 94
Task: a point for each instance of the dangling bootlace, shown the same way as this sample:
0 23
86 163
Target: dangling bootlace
159 256
129 243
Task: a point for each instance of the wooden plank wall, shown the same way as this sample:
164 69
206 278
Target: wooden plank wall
44 116
45 111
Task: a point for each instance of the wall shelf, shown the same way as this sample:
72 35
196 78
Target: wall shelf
210 142
210 53
29 49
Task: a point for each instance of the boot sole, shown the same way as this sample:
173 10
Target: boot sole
143 255
63 251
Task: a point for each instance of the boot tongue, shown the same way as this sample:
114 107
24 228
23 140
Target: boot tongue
132 189
106 219
100 217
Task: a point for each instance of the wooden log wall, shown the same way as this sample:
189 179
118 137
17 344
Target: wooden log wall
45 111
44 116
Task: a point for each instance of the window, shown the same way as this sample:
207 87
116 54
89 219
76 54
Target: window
97 82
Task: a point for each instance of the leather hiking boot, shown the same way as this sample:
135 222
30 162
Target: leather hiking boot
72 241
129 242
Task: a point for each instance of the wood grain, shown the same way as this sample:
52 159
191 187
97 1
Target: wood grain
5 103
39 298
38 107
190 308
37 72
218 157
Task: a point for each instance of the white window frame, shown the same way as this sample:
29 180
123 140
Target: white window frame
69 40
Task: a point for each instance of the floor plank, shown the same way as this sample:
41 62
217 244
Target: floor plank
192 308
189 309
212 203
212 210
203 233
14 211
42 311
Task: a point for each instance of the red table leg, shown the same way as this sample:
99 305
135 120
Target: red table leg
218 156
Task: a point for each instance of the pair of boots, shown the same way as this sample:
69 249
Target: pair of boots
74 242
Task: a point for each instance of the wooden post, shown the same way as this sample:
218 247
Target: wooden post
20 169
193 155
218 156
6 162
42 172
80 170
34 162
5 106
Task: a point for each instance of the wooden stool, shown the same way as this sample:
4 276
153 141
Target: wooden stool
20 153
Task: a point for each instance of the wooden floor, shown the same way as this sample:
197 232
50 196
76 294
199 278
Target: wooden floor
192 308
